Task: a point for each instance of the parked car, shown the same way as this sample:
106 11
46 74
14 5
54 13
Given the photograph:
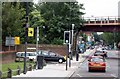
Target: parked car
31 56
52 56
96 63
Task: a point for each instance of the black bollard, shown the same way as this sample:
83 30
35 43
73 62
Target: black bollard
9 75
30 67
18 70
0 75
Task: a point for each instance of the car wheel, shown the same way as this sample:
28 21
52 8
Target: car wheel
60 61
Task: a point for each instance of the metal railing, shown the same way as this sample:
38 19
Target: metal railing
102 20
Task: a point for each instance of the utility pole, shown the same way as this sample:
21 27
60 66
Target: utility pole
26 37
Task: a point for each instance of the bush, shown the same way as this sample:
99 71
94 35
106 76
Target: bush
57 41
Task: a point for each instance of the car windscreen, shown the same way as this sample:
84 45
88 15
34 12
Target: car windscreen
18 54
32 54
97 60
44 52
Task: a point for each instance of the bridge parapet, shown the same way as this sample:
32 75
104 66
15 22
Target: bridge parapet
107 20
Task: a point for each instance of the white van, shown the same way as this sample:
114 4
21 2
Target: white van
32 56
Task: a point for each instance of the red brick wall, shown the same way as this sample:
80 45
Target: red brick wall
61 49
8 56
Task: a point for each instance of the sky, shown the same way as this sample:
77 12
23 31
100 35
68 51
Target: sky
97 8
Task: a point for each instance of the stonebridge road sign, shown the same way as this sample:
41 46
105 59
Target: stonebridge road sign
30 32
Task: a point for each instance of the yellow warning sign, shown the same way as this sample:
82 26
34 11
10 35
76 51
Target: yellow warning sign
30 32
17 40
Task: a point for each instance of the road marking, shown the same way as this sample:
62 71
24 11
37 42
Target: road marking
79 75
113 75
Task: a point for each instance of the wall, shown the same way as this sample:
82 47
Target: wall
8 56
61 49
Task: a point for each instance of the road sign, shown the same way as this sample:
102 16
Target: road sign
9 41
30 32
17 40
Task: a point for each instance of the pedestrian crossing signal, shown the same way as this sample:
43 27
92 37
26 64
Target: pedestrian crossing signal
30 32
66 37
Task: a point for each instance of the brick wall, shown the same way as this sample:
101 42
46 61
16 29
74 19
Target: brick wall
8 56
61 49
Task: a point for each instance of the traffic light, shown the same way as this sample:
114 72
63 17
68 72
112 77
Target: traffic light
66 37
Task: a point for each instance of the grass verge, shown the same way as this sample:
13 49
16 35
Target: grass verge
13 66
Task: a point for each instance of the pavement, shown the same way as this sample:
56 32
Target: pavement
113 54
56 69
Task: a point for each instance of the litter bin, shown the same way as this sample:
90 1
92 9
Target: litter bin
40 62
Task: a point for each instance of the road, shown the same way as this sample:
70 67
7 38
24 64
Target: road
111 70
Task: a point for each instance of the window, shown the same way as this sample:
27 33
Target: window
52 54
44 52
97 60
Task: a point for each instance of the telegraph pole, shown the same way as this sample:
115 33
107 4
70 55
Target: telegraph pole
26 37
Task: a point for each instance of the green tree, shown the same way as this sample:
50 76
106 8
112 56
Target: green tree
59 17
12 19
110 38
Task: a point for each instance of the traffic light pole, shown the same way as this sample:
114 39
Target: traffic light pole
26 37
67 54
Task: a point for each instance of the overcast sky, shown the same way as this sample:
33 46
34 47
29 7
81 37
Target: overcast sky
100 7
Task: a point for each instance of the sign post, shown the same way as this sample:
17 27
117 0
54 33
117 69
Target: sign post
37 39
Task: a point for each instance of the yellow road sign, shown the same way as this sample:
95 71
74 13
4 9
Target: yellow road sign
30 32
17 40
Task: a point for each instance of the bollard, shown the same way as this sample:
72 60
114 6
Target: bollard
34 66
0 75
9 75
18 70
30 67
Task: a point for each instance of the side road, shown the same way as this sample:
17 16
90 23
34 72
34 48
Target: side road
57 70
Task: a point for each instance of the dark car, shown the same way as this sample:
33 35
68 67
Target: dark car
100 53
52 56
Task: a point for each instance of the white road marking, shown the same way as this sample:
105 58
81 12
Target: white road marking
108 65
113 75
79 75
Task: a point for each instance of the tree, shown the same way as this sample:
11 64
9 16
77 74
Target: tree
111 38
59 17
12 19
